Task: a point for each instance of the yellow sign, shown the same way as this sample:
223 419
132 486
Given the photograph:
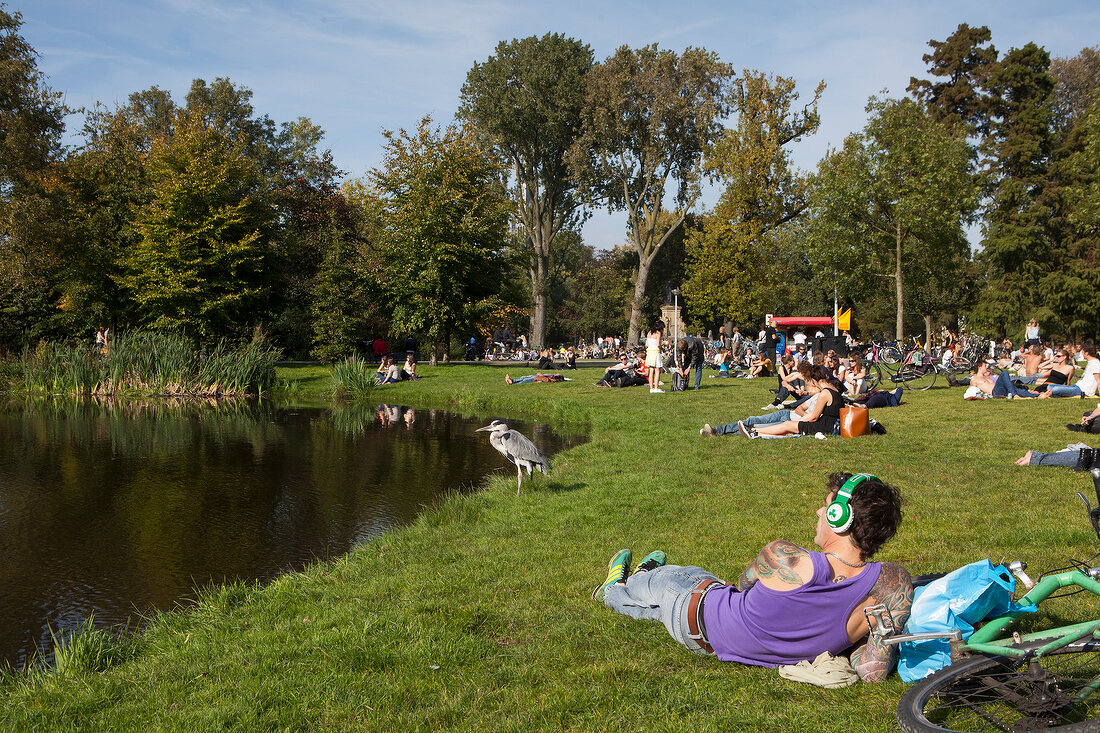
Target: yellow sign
844 320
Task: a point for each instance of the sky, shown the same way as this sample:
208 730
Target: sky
359 67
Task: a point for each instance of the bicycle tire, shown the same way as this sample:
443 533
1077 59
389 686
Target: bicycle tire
996 693
874 376
890 355
916 377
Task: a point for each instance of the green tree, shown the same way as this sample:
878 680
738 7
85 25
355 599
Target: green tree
527 100
648 117
1017 249
731 260
891 203
201 262
964 63
441 230
31 123
1076 85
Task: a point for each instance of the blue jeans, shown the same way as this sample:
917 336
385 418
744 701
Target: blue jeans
771 418
524 380
1062 390
1004 386
1067 458
661 595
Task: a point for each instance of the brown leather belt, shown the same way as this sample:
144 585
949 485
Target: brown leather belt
697 630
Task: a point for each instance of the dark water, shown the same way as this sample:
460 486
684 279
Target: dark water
118 510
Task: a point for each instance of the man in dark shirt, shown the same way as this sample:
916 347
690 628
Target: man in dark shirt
692 354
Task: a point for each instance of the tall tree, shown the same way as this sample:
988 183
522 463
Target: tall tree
729 259
31 123
1017 247
527 100
201 264
891 203
1076 86
963 62
648 117
442 225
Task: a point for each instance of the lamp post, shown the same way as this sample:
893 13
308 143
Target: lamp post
675 325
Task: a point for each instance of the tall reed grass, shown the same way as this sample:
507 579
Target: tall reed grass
354 378
150 363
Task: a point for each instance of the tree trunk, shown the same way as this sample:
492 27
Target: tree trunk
928 334
540 266
640 277
434 360
447 346
900 334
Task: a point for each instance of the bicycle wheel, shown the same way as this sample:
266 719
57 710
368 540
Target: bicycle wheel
987 693
874 376
912 376
890 355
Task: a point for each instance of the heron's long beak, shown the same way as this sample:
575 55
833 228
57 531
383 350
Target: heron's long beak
487 427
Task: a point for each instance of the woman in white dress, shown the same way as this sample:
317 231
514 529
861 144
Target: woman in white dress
653 356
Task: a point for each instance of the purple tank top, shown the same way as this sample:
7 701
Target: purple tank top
772 627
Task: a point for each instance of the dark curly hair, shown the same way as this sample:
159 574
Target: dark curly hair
876 512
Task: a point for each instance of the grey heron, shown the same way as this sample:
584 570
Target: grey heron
516 447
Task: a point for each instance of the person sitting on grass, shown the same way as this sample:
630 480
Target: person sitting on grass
1087 385
821 418
761 366
855 376
409 370
790 381
388 372
790 604
536 377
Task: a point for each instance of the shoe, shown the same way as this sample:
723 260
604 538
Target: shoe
747 430
876 427
618 570
707 431
951 380
770 406
652 561
655 390
1076 428
1086 459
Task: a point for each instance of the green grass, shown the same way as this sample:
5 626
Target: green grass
478 616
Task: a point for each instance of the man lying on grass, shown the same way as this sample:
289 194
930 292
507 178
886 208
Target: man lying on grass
790 604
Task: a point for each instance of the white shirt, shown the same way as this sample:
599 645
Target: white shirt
799 337
1087 382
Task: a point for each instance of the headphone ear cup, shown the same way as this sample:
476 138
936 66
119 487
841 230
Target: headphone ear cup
839 516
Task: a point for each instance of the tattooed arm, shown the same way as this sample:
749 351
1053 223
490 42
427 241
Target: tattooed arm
874 660
775 562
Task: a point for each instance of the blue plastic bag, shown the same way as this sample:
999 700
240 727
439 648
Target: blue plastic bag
958 600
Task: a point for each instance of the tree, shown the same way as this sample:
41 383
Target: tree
1017 250
201 262
964 63
892 202
527 101
1076 85
31 123
648 117
442 225
730 259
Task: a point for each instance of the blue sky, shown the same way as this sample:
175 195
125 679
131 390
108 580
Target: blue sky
356 68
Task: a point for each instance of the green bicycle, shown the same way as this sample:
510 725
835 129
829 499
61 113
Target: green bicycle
1046 680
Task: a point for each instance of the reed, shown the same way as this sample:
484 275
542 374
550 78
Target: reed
150 363
354 378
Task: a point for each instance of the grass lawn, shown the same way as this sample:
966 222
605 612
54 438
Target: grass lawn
478 617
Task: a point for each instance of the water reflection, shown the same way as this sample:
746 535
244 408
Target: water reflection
116 509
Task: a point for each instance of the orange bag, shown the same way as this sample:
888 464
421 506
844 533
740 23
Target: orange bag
854 421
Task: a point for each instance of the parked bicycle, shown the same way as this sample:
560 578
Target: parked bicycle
1044 680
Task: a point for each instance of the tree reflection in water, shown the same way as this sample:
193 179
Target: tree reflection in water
115 509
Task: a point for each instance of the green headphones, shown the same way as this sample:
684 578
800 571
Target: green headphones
838 514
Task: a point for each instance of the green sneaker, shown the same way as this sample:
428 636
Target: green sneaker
618 570
652 561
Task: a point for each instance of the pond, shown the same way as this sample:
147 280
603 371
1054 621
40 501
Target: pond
117 510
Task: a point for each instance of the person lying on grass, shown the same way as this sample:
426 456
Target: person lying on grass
790 604
537 377
1079 457
983 385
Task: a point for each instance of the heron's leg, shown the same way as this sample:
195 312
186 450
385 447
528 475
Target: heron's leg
519 478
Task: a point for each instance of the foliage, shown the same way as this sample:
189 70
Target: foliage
353 377
892 202
201 263
440 230
731 260
1076 85
149 362
649 116
527 100
963 62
